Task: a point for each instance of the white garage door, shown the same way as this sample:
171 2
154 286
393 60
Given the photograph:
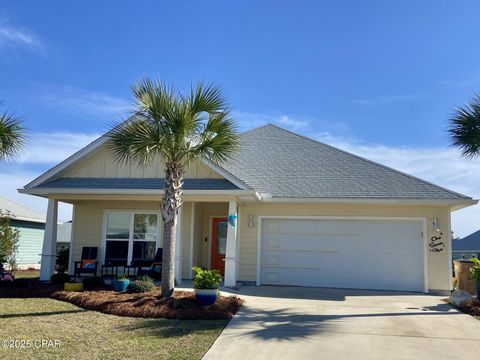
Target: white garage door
357 254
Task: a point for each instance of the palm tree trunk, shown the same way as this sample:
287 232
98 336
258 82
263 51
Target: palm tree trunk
172 200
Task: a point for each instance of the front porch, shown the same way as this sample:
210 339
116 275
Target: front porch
129 234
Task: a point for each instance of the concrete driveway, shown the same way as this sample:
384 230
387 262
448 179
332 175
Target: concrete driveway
307 323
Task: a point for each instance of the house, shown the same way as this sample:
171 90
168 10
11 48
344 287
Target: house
64 235
287 210
31 225
467 247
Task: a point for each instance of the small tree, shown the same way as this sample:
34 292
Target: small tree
9 239
12 136
465 128
62 260
179 129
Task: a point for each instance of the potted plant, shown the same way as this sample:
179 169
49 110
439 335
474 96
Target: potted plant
475 274
205 284
121 283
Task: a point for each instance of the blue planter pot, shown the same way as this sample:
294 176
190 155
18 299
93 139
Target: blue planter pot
120 285
206 297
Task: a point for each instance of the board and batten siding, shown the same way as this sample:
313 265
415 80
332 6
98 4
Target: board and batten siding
438 272
100 164
30 244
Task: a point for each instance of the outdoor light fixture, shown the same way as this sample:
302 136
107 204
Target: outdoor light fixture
436 224
250 220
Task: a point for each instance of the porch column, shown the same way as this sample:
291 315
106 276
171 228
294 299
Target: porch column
49 248
231 257
70 252
192 239
178 248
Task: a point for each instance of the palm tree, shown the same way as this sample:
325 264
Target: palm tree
177 129
465 128
12 136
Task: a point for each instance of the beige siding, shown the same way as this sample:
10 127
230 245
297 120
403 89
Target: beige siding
89 217
438 263
100 164
88 221
89 224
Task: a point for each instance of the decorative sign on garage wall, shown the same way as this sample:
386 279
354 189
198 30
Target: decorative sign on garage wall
436 244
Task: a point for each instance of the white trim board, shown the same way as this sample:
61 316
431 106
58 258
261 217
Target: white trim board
422 220
72 235
108 191
192 239
455 204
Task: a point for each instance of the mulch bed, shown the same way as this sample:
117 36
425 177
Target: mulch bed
471 307
28 288
181 306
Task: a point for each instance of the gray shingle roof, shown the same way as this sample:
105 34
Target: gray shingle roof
284 164
470 242
136 183
21 212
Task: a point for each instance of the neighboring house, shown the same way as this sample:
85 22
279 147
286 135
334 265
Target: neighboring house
287 210
31 225
467 247
64 235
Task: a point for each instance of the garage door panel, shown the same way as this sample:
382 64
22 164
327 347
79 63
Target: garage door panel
338 279
343 253
314 242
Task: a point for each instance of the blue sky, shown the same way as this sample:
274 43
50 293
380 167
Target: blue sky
378 78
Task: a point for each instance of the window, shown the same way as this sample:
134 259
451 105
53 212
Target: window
118 226
116 252
222 237
131 238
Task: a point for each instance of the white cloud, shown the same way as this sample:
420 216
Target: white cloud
51 148
294 124
364 102
393 98
14 37
81 101
441 166
43 151
248 120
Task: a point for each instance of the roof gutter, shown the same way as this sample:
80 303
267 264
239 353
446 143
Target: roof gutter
29 219
454 204
86 191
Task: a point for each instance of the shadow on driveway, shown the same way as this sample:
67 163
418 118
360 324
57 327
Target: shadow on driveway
287 323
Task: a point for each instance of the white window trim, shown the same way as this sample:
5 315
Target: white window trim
132 213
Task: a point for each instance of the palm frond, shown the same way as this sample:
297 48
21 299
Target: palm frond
12 136
178 128
465 128
219 139
207 98
135 141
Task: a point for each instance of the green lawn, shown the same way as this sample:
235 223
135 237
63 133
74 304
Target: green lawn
27 274
92 335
